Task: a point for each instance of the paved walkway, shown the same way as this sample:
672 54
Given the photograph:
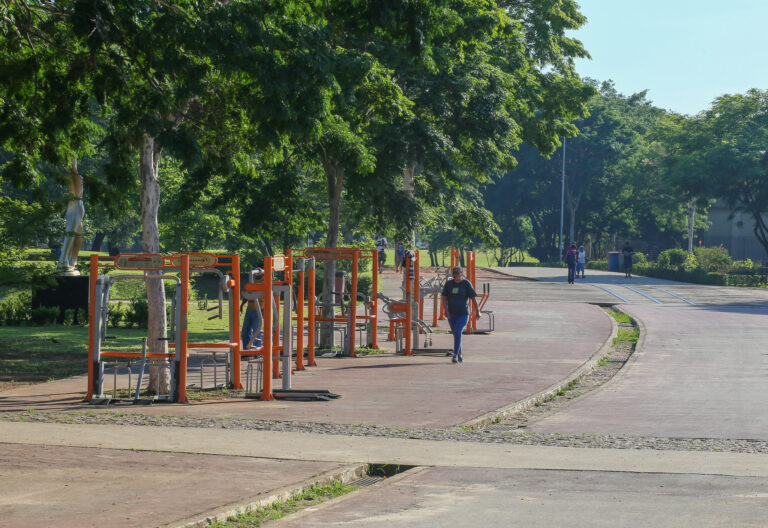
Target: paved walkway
698 372
604 287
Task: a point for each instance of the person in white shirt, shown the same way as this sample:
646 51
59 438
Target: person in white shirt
581 259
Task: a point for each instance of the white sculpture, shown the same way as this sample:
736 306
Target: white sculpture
73 240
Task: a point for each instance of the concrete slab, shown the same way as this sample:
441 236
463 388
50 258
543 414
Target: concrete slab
698 372
468 497
370 449
45 485
524 356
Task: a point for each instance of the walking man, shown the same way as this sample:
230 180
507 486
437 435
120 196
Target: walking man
454 298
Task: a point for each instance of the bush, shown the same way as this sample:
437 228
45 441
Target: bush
82 317
672 258
115 314
44 315
137 314
16 310
27 272
639 258
713 259
691 262
69 317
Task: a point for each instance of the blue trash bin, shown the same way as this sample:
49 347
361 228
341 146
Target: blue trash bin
613 260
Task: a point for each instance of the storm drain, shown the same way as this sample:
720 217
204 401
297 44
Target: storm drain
375 473
367 480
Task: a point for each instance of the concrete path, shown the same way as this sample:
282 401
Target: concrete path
698 372
49 485
462 483
471 497
603 287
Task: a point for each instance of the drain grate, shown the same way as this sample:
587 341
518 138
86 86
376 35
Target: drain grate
368 480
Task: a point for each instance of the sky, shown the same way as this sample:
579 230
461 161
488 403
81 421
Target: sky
684 52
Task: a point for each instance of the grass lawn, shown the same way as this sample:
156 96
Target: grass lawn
485 259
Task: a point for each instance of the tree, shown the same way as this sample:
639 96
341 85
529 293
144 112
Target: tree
185 79
721 153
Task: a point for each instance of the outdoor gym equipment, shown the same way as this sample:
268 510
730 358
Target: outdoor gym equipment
348 322
405 323
276 353
482 298
157 267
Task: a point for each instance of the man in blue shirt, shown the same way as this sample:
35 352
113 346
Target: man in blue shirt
454 297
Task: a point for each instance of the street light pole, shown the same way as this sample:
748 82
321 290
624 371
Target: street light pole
562 204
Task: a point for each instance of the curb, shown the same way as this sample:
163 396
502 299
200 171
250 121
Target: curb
344 475
484 420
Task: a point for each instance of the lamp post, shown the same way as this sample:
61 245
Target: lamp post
562 204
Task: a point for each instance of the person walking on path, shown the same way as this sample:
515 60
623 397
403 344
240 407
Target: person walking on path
399 256
454 298
252 319
627 252
581 260
381 248
570 260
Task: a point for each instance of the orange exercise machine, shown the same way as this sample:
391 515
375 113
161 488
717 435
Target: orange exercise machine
276 350
351 319
405 323
176 360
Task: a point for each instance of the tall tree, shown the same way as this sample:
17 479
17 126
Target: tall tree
721 153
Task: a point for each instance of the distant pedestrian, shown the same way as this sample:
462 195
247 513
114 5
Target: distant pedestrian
627 252
571 256
581 260
381 248
399 255
253 314
454 298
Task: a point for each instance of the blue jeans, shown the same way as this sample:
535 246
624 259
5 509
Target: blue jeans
457 324
251 325
579 268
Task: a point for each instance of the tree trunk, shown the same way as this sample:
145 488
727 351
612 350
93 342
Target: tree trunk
334 175
573 205
98 240
691 222
761 230
412 170
159 378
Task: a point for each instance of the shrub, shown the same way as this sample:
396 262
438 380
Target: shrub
691 262
743 266
115 314
672 258
365 284
15 310
44 315
69 317
27 272
639 258
82 317
137 314
713 259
